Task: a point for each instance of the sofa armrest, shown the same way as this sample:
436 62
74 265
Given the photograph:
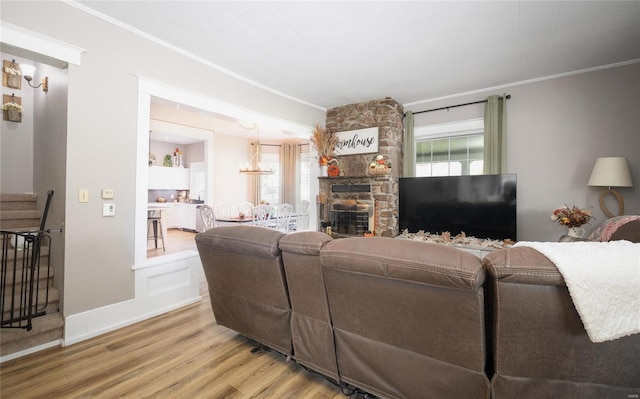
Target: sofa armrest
522 265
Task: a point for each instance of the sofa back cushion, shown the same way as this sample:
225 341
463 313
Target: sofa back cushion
408 317
245 275
311 329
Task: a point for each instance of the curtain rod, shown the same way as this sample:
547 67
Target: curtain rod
508 96
267 145
278 145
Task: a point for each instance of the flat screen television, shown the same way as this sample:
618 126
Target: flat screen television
482 206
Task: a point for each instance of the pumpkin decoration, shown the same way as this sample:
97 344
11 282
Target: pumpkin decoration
333 170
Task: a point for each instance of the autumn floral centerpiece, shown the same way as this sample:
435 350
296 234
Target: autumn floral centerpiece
324 141
571 217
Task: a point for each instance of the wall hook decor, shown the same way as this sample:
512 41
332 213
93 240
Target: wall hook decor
11 108
11 74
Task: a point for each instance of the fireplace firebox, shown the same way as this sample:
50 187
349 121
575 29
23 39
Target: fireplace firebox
352 210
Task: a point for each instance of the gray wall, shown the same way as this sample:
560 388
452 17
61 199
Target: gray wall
16 139
556 130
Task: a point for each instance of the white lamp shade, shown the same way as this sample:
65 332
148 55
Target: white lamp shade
27 70
611 172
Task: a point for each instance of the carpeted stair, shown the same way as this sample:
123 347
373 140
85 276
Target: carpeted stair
18 212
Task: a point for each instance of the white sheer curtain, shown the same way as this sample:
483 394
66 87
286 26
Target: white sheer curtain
289 161
254 180
495 135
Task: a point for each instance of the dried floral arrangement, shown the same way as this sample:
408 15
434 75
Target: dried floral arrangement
11 105
571 217
324 141
460 239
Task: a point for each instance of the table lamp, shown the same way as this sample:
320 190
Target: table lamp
611 172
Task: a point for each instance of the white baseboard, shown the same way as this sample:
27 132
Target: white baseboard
162 284
28 351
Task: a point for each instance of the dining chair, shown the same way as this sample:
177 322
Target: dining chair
207 216
300 219
261 215
222 210
283 217
245 208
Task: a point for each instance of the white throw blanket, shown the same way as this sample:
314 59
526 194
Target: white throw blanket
604 282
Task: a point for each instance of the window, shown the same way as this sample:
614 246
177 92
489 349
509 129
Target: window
270 184
451 149
305 175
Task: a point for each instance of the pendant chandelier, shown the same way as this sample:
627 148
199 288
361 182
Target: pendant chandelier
253 167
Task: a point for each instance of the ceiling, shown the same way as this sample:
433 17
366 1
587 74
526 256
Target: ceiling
332 53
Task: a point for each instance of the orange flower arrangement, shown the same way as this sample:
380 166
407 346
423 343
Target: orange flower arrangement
324 141
571 217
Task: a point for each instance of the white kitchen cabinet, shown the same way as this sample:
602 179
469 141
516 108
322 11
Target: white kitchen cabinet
190 212
166 178
174 217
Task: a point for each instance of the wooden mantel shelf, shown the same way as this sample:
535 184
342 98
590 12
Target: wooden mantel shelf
374 177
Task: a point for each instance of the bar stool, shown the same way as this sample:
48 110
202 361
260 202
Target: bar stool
153 220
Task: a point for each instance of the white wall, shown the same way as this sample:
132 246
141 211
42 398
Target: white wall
102 138
556 130
196 152
50 155
229 186
162 148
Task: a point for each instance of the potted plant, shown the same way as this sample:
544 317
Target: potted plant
573 218
14 111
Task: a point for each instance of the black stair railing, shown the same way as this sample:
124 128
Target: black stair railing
22 272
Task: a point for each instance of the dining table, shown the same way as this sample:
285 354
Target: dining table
233 220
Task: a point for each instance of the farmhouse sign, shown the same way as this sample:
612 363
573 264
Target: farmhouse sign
361 141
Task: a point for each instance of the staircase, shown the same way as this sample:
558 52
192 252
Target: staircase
18 213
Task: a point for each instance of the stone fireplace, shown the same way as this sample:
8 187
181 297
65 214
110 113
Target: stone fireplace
381 197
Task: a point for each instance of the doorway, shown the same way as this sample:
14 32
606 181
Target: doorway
148 89
176 189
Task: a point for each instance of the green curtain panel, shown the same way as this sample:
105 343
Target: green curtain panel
409 157
495 135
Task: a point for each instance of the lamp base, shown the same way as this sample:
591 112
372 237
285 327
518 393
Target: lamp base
617 196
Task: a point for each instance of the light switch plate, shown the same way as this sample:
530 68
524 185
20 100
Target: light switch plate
83 195
107 193
108 209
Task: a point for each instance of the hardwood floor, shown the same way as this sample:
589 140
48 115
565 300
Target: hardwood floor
175 241
181 354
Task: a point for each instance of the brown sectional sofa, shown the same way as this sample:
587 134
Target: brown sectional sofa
404 319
